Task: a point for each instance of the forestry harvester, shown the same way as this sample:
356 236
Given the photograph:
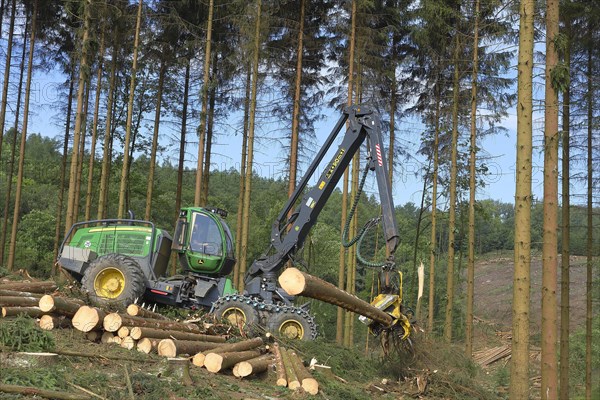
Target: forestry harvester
121 260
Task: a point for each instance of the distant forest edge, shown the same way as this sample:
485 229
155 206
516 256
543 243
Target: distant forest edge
494 219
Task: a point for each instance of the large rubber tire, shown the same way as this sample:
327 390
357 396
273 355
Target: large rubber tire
239 312
114 279
293 324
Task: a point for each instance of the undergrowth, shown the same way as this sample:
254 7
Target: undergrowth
22 334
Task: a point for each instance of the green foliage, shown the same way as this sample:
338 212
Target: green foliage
577 351
22 334
43 378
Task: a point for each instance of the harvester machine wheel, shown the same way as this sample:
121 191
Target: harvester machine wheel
239 311
292 323
114 279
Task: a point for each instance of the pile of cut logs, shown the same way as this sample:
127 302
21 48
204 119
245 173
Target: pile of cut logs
151 332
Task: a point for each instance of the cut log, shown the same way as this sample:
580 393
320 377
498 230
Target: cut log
49 394
172 348
107 337
180 368
309 384
60 305
4 292
128 343
281 376
35 359
292 380
234 370
198 359
33 312
116 320
18 301
49 322
147 345
298 283
123 332
141 332
33 287
88 319
93 336
137 311
254 365
215 362
116 340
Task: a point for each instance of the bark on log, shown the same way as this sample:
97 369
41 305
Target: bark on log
60 305
309 384
33 287
292 380
4 292
88 319
172 348
281 376
116 320
198 359
298 283
215 362
49 394
18 301
142 332
254 365
33 312
93 336
137 311
49 322
127 343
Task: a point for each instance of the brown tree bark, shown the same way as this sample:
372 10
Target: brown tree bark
106 151
206 83
20 170
215 362
253 366
565 279
114 321
9 46
50 322
452 199
126 148
298 283
472 188
73 199
281 374
519 370
433 239
33 312
59 305
589 314
292 380
94 138
150 188
34 287
13 149
138 332
549 388
308 383
136 311
171 348
20 301
250 156
81 155
49 394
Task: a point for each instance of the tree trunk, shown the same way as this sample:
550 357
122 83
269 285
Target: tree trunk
434 179
209 139
106 151
292 380
50 322
590 210
7 70
90 177
20 301
114 321
241 220
79 119
453 189
138 332
181 161
298 283
161 81
125 170
33 312
13 151
20 171
309 384
296 109
519 370
58 305
251 122
472 187
565 280
34 287
281 375
254 366
88 319
136 311
171 348
549 388
206 83
81 150
33 391
216 362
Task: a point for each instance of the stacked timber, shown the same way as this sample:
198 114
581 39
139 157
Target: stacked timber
490 356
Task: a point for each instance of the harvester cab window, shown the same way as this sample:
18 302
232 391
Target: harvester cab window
206 236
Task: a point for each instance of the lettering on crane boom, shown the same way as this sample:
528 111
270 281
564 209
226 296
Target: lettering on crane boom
335 163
